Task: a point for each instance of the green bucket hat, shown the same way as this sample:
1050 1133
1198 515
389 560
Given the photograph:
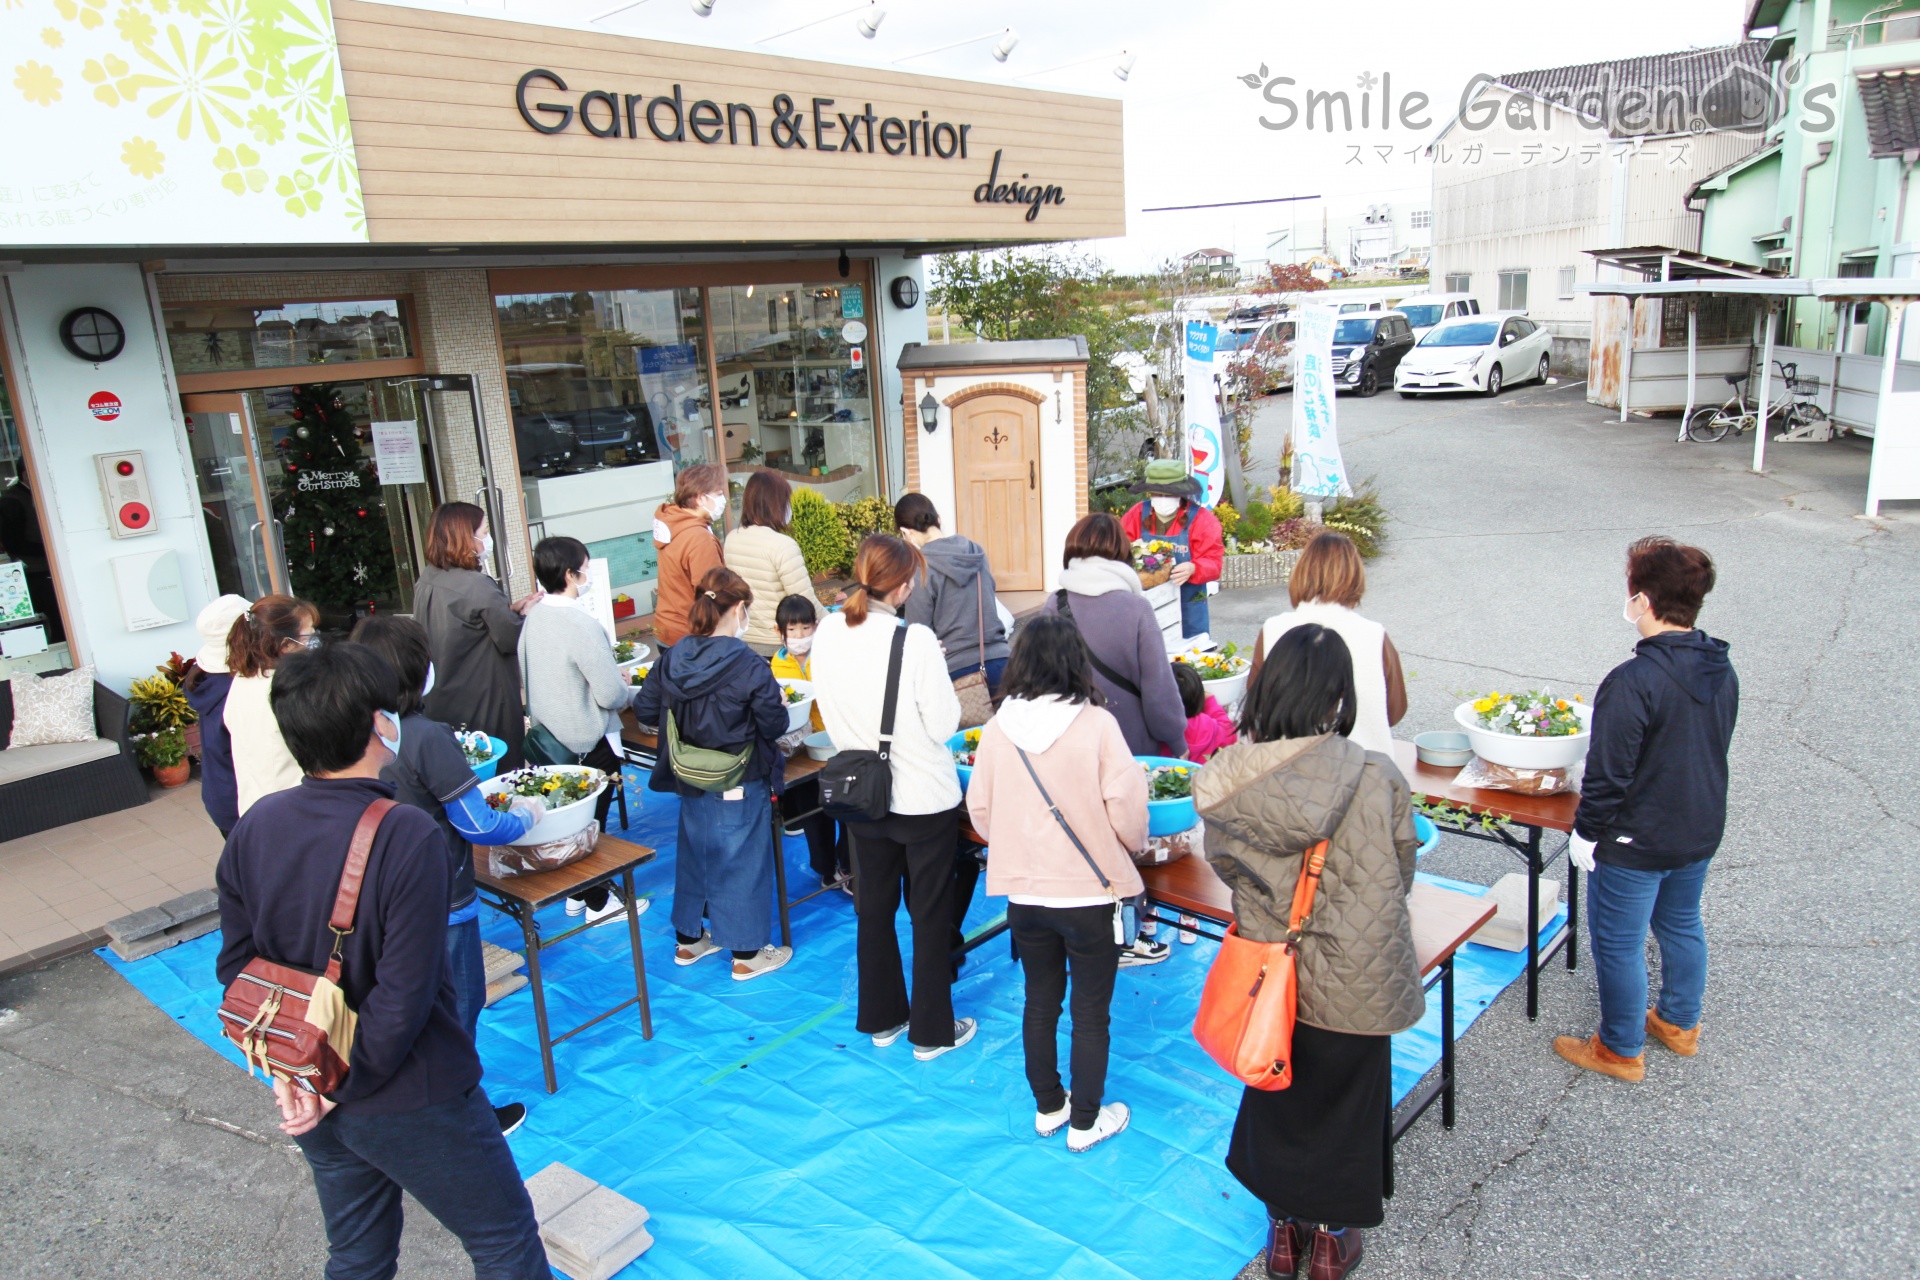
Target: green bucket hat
1167 477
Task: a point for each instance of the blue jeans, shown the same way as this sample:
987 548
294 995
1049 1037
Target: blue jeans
469 973
1622 905
723 868
451 1158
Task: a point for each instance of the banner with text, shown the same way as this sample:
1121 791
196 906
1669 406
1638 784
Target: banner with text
1204 456
1318 471
175 123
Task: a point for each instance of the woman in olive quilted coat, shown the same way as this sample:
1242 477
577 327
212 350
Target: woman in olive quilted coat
1315 1152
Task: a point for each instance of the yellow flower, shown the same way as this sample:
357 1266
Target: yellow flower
37 83
1561 705
52 38
143 159
1179 769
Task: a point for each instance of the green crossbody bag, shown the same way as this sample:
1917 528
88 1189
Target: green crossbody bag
704 767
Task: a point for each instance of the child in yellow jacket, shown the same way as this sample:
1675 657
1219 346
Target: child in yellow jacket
828 851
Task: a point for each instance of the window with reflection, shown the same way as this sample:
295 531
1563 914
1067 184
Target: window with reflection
795 390
217 338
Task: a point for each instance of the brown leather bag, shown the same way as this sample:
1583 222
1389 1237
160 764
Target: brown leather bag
292 1023
976 696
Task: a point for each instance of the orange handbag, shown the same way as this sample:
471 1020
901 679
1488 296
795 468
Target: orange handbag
1246 1013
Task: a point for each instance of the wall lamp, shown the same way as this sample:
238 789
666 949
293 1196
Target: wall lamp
929 413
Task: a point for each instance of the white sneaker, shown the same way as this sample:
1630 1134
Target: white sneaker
687 953
765 960
962 1032
1112 1119
1142 951
881 1039
1187 934
616 910
1048 1123
575 907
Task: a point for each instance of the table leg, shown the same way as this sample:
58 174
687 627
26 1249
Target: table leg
1446 1044
1533 924
780 875
639 959
1573 910
530 931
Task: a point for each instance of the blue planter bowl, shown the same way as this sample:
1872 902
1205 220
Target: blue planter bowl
493 762
958 742
1169 817
1426 833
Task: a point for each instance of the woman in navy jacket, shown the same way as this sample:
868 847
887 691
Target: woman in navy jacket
722 696
1653 806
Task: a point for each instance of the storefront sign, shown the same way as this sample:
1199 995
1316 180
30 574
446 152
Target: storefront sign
311 481
673 381
104 406
1203 413
853 306
396 453
1318 471
993 191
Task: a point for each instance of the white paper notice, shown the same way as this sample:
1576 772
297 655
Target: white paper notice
396 452
598 596
23 642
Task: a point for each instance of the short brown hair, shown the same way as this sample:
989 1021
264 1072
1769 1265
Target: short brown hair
1673 576
450 536
696 482
259 637
719 590
1330 570
1099 536
882 564
766 500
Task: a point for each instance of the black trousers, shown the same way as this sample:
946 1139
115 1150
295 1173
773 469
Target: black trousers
1053 942
604 758
828 850
913 853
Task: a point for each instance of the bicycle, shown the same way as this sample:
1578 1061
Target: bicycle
1805 420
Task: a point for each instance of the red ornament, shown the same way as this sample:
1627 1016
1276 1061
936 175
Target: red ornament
299 414
362 513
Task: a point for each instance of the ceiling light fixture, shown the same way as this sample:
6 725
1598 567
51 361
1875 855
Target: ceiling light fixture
1124 68
1008 38
1004 50
703 8
868 24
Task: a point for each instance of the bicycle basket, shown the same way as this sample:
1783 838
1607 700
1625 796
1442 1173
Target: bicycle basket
1805 386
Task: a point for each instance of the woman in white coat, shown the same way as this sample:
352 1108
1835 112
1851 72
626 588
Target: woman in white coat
1327 584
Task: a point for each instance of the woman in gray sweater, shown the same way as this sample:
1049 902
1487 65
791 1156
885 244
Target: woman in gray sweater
574 690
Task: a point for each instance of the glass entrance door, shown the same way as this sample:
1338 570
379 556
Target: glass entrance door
341 481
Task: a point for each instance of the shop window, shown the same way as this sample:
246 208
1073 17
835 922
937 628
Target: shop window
1459 282
32 634
795 393
1513 291
225 339
1566 282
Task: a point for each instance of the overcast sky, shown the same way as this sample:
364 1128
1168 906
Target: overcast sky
1193 132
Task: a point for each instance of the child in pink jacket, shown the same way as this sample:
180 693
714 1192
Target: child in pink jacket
1209 727
1054 780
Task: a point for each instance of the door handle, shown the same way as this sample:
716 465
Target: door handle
252 557
1030 473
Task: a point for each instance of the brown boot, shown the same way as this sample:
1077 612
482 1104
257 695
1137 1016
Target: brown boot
1286 1248
1334 1255
1685 1043
1595 1056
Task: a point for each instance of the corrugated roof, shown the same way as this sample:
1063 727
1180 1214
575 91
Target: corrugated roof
1725 87
1890 104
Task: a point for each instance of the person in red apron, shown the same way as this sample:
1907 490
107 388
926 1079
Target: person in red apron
1172 513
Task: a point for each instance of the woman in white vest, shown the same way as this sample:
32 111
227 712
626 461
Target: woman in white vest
1326 586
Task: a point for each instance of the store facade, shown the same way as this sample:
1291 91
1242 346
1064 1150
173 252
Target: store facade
537 268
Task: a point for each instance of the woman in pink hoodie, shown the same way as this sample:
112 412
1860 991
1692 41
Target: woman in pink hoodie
1209 727
1054 773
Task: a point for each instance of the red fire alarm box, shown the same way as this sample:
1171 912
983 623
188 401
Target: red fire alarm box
128 497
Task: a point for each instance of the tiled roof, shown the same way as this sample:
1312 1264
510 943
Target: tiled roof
1890 103
1719 88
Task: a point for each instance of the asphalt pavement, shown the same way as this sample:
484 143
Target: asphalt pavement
1786 1149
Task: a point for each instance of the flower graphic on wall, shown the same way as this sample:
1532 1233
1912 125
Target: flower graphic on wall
143 159
87 12
196 83
112 83
332 150
300 195
37 83
240 169
51 37
266 125
135 27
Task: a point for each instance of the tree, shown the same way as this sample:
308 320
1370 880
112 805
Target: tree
329 504
1287 277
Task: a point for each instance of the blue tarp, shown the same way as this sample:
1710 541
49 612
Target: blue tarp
769 1139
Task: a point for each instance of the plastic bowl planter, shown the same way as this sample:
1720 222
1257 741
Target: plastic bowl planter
1426 833
1521 752
819 746
958 742
558 824
485 771
1443 749
799 714
640 654
1169 817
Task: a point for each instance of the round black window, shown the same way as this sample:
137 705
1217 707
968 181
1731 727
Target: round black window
90 333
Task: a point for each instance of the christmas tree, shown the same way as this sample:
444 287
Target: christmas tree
330 507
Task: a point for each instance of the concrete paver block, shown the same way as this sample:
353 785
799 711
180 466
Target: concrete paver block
191 906
154 929
556 1188
596 1235
504 987
139 924
1508 929
153 943
499 961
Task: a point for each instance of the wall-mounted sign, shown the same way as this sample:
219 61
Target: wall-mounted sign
993 191
396 453
854 331
853 303
311 481
104 406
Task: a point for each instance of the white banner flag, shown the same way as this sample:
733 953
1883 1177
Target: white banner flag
1318 471
1204 456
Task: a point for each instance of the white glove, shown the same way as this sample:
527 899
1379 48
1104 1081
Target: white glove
1580 853
532 806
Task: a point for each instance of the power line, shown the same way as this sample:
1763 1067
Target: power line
1225 204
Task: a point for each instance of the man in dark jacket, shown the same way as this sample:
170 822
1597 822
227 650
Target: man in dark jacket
955 600
411 1115
206 690
1653 806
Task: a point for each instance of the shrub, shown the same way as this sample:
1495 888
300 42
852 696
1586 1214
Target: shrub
1229 519
1256 522
822 535
161 750
158 704
1294 534
1361 517
1286 504
864 516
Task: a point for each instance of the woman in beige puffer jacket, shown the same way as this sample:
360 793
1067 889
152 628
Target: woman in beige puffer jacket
1315 1152
761 552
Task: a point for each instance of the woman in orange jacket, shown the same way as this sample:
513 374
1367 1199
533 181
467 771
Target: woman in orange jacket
688 549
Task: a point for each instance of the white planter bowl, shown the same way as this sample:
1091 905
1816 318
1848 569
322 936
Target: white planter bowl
1521 752
799 714
640 654
1230 690
558 823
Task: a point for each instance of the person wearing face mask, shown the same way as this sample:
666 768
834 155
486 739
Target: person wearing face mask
272 628
761 552
574 690
431 773
713 695
1172 513
691 551
473 630
1653 809
829 852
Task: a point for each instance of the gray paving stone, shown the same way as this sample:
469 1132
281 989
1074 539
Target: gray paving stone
556 1188
595 1225
191 906
139 924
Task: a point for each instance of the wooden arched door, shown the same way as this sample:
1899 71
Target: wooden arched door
996 483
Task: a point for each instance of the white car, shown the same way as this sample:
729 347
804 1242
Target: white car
1475 353
1428 309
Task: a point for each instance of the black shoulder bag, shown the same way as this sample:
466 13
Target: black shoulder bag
1119 681
857 786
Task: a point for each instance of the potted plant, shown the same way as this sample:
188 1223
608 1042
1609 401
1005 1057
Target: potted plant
1153 560
159 704
165 752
